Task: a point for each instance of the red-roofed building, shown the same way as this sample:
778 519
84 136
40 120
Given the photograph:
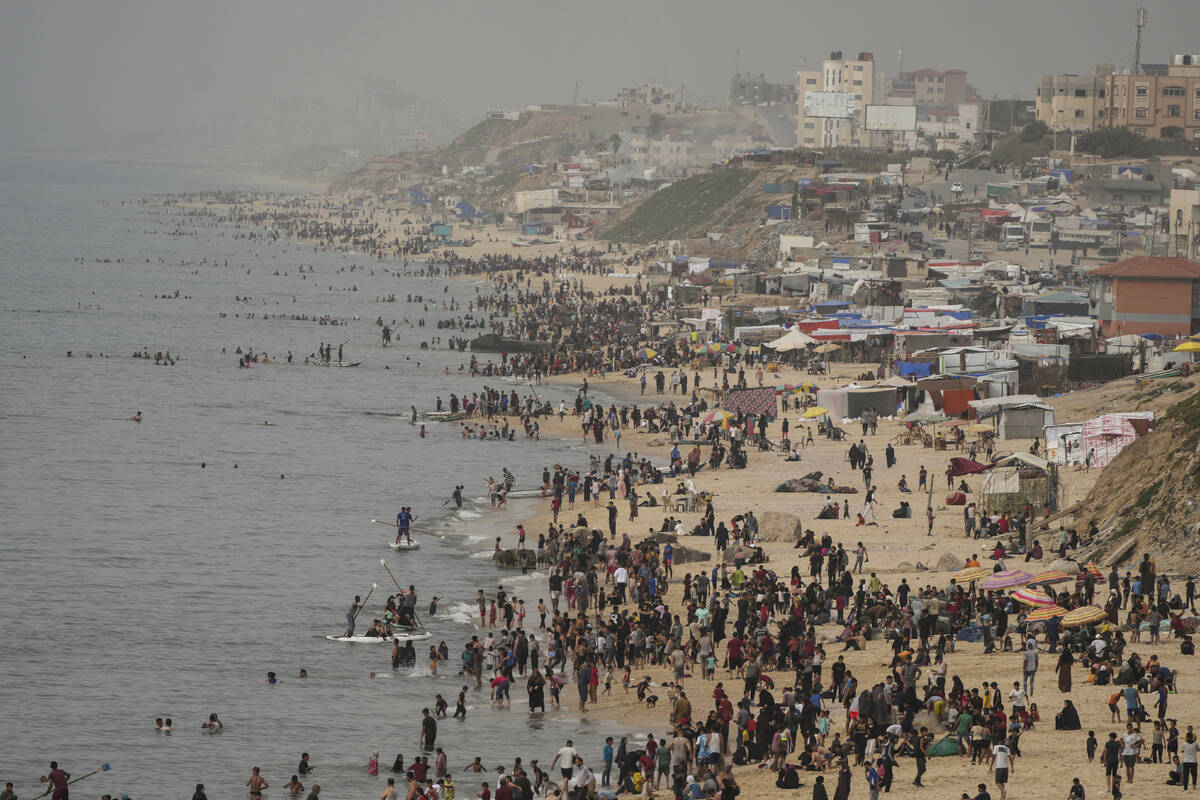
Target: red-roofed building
1146 294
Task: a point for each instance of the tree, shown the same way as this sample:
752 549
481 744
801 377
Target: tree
1113 143
1035 131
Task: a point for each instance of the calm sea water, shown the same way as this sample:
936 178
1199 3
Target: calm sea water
138 585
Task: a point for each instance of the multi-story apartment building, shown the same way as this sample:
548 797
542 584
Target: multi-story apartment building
856 77
1073 102
1163 104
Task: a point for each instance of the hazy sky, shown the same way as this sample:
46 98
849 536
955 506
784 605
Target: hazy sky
121 66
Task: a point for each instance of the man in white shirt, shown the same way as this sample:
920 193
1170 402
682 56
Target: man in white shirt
1016 698
1132 741
567 756
1002 759
621 577
1187 757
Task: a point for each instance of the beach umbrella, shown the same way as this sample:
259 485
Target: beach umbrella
718 417
1188 347
970 574
814 412
1032 597
1043 613
1091 567
732 347
828 347
1050 576
808 386
1007 579
978 427
1084 615
708 348
646 353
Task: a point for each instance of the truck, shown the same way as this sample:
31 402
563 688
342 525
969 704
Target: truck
1012 233
1039 232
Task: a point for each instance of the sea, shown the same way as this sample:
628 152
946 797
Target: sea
162 569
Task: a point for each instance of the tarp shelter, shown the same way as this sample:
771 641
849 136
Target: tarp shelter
1025 421
795 339
991 406
1107 435
1016 480
965 466
751 401
1064 443
918 368
852 402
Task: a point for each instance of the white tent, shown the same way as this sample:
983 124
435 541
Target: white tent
792 340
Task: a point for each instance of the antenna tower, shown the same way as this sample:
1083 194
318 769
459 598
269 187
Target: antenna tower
1137 47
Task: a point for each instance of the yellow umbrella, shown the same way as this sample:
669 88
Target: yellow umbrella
971 574
814 412
1045 613
1188 347
1084 615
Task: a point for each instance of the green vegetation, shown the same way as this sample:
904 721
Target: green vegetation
1034 131
1186 411
1128 527
1013 150
680 210
1146 495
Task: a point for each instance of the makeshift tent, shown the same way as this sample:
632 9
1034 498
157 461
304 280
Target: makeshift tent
1106 436
1016 480
848 402
752 401
918 368
1025 421
1064 443
795 339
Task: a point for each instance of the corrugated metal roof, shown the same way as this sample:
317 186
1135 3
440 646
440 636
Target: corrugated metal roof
1150 267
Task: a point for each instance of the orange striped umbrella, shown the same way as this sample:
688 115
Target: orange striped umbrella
1032 597
1084 615
1050 576
1095 571
1043 613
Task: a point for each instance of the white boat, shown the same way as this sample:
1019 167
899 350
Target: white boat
404 545
402 638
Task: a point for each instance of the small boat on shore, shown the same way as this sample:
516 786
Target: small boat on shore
443 416
335 363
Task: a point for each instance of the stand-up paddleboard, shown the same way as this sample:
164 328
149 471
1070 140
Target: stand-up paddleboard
421 531
402 638
403 545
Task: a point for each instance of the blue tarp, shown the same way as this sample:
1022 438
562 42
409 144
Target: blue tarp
919 368
779 212
833 304
418 197
467 211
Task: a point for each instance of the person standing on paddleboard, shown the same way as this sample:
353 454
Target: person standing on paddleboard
403 520
351 614
58 782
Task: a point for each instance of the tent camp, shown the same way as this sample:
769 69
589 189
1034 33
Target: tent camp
1025 421
795 339
853 401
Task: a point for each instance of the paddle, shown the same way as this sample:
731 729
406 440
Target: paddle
364 604
102 768
413 530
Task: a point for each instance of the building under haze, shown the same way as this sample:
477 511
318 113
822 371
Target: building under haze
1071 102
1160 104
757 90
854 77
